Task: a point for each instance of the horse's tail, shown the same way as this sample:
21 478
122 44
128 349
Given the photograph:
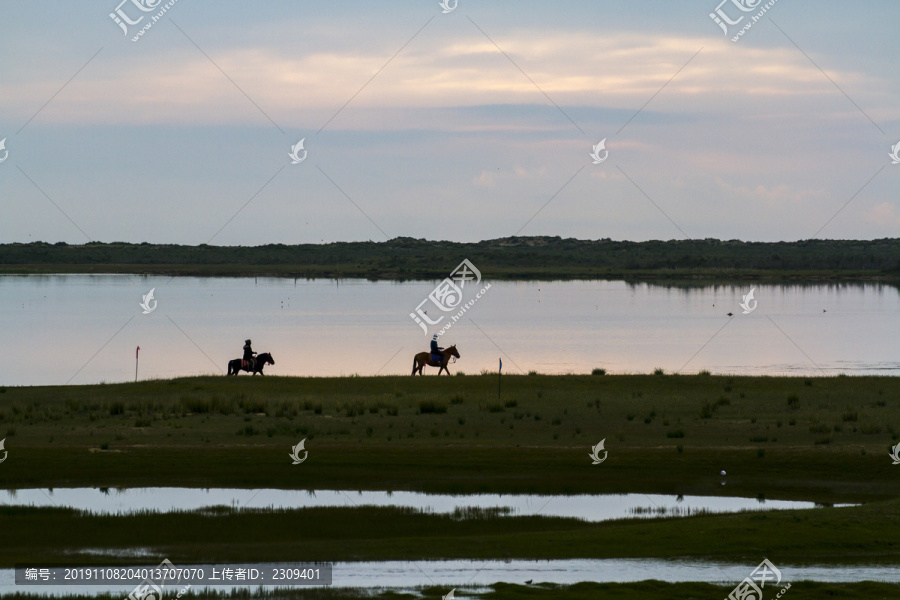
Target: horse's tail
415 363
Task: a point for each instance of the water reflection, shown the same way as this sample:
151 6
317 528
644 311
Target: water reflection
60 321
599 507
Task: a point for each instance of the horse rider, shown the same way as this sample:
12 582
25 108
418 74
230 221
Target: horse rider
436 351
248 354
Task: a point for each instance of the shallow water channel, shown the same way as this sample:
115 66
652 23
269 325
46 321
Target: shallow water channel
449 573
594 508
476 574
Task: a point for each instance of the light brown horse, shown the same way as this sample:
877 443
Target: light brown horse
424 358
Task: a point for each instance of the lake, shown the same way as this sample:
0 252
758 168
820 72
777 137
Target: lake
85 329
473 574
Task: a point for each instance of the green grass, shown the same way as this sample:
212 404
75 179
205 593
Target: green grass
861 534
454 435
378 433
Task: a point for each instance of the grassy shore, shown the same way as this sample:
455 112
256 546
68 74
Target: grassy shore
683 276
847 535
819 439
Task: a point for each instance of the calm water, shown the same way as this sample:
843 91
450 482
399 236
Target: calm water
600 507
450 573
85 329
476 574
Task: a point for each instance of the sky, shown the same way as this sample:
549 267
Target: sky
475 123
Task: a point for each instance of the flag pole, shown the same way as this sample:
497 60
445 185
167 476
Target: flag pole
499 377
136 352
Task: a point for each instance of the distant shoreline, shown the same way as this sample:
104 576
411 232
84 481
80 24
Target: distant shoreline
513 259
239 271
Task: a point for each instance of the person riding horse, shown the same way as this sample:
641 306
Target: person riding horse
436 351
441 361
248 354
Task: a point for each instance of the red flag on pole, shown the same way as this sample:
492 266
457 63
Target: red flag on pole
136 351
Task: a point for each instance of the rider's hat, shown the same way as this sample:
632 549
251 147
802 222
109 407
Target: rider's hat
246 341
435 337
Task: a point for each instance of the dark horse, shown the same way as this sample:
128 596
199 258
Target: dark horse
424 358
261 361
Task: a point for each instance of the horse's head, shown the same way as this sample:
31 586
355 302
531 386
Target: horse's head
452 351
266 358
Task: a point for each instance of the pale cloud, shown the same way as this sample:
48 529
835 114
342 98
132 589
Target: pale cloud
883 214
574 68
606 174
518 172
776 196
749 140
485 179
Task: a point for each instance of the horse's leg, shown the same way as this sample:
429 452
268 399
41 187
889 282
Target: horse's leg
420 367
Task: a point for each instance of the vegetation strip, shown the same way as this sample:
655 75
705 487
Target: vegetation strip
819 439
850 535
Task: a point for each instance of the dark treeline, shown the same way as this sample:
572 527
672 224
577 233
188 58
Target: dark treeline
505 258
